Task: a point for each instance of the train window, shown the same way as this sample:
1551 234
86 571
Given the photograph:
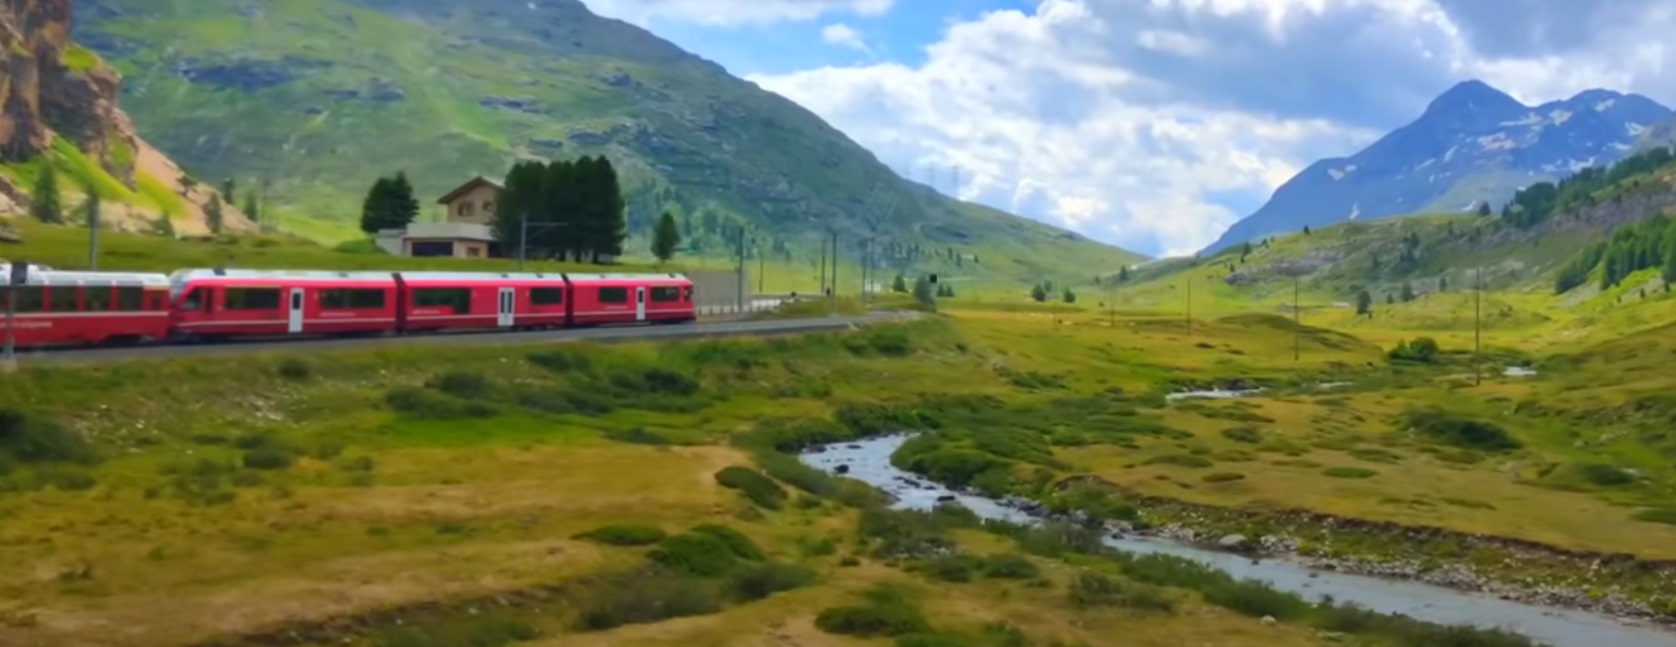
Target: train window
252 299
29 298
665 295
546 296
352 299
457 298
63 298
127 299
613 295
98 297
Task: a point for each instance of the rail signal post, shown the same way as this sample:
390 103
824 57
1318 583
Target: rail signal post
19 276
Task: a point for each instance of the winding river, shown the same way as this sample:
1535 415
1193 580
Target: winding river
869 461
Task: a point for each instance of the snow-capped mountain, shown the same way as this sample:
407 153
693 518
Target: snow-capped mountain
1473 144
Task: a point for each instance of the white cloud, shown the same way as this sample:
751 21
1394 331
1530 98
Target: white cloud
844 36
730 13
1155 124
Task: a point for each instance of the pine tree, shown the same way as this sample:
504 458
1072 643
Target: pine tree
212 214
900 285
1306 230
1069 296
227 188
665 238
520 198
1038 293
1123 274
1407 292
47 207
404 208
1484 209
250 208
1364 303
613 227
564 209
1443 284
375 207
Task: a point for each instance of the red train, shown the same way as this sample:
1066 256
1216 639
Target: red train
56 308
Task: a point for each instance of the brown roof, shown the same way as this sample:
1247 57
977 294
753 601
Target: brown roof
469 185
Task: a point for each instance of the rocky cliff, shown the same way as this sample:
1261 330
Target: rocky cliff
50 88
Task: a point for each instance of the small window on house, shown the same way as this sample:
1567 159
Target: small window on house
546 296
489 206
666 294
613 295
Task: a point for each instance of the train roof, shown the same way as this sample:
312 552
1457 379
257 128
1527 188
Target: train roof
179 276
50 277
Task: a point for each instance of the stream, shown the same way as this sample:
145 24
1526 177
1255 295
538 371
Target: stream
869 461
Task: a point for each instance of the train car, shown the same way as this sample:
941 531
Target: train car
439 301
56 308
220 303
630 298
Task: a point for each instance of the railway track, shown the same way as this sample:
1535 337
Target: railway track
607 334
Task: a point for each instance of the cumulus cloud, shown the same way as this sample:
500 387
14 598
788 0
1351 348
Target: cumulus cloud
844 36
733 12
1155 124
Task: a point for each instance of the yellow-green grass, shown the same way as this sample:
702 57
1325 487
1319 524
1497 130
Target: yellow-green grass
382 510
1306 434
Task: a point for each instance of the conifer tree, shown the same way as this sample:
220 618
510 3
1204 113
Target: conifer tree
665 238
212 214
404 208
375 207
47 206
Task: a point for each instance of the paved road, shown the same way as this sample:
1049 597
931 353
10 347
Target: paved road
623 333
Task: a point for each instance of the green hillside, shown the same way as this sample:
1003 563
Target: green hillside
314 99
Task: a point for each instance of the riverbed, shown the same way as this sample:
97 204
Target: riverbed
869 461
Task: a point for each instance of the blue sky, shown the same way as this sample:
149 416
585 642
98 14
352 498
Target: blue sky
1151 124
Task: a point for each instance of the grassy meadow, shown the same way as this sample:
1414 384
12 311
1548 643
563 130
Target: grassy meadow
622 495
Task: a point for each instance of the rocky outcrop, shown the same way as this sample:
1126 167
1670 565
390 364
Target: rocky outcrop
53 88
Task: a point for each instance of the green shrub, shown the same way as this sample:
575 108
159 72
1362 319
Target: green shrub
1422 350
294 369
1181 460
1244 434
636 436
268 458
643 596
1090 589
1656 515
696 554
950 568
31 439
461 384
1223 477
760 489
1349 472
626 534
758 581
431 405
1257 599
1010 566
1461 431
737 543
886 612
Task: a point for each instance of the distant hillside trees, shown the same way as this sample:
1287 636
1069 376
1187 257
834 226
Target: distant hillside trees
389 204
1538 202
575 209
1650 243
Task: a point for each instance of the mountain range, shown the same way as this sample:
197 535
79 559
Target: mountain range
1473 145
312 100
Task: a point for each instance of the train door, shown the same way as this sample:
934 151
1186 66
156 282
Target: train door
507 317
295 309
640 303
